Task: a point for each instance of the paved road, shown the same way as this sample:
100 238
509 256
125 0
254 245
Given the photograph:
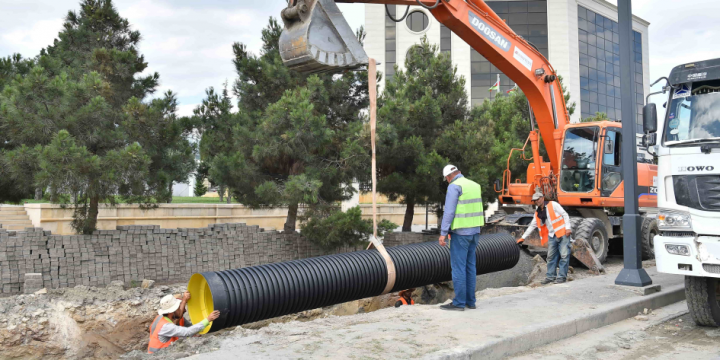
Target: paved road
669 333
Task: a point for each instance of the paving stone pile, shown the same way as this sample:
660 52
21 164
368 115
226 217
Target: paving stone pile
136 252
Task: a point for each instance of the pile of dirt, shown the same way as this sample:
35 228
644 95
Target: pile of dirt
79 322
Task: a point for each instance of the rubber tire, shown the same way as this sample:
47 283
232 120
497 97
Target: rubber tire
586 229
702 300
647 232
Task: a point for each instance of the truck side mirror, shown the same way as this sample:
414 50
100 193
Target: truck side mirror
609 146
650 118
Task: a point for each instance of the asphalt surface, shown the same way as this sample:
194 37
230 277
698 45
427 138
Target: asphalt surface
666 333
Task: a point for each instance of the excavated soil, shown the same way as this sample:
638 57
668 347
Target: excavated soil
112 322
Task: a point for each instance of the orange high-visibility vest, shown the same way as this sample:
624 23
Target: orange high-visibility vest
404 302
155 344
558 223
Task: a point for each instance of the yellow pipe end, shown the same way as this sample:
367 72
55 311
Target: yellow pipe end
200 304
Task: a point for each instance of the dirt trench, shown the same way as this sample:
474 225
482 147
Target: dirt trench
112 322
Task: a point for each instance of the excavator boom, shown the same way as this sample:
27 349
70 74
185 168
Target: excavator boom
318 39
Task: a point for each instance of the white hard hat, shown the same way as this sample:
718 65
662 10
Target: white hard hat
168 304
449 169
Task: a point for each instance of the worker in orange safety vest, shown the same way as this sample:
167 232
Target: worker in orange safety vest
170 325
405 298
553 222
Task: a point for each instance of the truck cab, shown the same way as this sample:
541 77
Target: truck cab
687 144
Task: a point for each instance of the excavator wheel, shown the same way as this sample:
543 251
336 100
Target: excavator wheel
593 231
648 231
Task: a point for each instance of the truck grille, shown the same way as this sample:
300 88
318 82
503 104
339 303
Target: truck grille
711 268
679 233
709 192
698 192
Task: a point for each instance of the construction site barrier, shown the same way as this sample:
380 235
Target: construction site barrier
266 291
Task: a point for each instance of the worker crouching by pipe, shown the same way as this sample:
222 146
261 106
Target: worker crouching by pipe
170 324
405 298
461 224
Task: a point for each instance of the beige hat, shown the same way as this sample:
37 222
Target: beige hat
537 195
168 304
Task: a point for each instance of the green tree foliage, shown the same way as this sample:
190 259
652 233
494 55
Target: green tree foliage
599 116
414 109
480 146
296 139
336 228
201 174
215 120
164 138
72 120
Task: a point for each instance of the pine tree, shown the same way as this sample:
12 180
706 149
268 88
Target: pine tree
164 138
78 111
200 189
415 107
297 139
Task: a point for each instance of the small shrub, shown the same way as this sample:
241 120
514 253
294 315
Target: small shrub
334 228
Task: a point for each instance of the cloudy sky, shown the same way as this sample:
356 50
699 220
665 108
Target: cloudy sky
189 41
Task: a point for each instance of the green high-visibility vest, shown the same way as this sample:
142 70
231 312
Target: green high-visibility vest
469 211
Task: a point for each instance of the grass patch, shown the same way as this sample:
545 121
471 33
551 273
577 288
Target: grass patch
176 200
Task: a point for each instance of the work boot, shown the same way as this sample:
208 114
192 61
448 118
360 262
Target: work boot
471 307
452 307
560 280
546 281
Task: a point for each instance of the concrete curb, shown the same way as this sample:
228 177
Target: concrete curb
537 335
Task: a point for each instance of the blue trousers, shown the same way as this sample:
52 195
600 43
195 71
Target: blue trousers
462 261
558 256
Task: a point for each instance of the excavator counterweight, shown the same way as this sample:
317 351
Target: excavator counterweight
317 38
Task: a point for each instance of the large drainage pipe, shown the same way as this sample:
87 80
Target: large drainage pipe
262 292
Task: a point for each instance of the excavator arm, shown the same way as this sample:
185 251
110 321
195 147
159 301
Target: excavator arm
318 39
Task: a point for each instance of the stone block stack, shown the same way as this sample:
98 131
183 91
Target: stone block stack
137 252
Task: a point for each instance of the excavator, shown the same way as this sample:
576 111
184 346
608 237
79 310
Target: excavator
583 173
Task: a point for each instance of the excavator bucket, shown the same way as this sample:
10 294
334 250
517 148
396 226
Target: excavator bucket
317 38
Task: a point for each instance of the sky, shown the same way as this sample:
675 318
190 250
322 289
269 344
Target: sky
189 42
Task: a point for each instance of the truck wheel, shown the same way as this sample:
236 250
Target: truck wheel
702 295
648 232
593 231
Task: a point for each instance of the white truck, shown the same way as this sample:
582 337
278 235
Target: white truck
687 144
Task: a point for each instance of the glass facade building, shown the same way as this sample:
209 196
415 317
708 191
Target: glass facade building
529 20
591 70
599 42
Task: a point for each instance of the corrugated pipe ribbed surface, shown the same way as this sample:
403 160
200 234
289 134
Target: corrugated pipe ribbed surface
262 292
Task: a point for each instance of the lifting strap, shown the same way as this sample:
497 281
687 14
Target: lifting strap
372 84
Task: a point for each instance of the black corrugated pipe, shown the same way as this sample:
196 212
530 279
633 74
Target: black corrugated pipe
262 292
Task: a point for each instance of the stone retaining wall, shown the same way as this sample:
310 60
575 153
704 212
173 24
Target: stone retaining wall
133 253
405 238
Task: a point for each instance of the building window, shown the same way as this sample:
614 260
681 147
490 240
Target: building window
445 40
599 43
390 44
529 20
417 21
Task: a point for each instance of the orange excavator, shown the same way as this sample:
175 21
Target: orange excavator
583 173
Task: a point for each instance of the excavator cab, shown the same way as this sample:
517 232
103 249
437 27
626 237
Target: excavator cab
317 39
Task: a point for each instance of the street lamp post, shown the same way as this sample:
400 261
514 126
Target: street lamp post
633 273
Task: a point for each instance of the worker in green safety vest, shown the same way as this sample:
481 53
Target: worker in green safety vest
463 217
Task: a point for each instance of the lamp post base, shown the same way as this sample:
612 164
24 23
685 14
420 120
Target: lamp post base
633 277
